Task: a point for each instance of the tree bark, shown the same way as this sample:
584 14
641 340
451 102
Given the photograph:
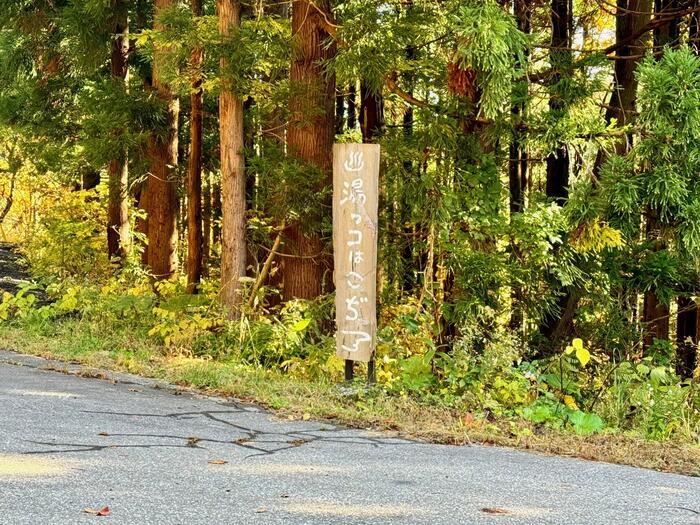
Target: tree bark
667 33
118 235
161 195
216 214
339 111
194 169
655 315
371 113
9 200
687 322
686 337
517 159
560 56
632 16
517 162
310 140
694 30
233 204
552 326
206 224
352 106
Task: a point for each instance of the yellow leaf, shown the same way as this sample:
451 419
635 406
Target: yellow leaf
583 356
570 402
577 344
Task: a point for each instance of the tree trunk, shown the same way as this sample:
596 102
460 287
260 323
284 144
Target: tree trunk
310 140
339 111
161 194
517 162
371 114
118 238
233 205
560 56
667 33
517 159
687 325
206 224
686 337
216 214
194 170
403 221
655 315
694 30
9 199
555 326
632 16
352 106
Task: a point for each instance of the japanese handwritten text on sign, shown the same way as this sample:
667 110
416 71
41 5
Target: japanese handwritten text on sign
355 188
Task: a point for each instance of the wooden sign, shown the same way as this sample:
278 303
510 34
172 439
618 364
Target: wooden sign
355 198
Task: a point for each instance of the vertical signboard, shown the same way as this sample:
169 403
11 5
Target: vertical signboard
355 198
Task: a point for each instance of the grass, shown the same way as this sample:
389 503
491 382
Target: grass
131 351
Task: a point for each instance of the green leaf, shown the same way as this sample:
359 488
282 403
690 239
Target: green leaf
586 422
643 369
539 413
658 375
300 325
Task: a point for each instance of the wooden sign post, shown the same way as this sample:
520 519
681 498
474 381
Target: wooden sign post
355 202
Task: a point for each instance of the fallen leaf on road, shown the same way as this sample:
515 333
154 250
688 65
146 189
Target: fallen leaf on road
241 441
104 511
298 442
261 510
217 462
134 390
192 441
103 434
494 510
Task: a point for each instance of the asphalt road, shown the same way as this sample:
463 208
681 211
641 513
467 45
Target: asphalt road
69 443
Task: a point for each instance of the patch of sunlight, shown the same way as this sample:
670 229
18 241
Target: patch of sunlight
22 466
526 512
41 393
671 490
282 469
327 508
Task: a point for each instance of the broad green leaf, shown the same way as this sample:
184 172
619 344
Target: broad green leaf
586 422
658 374
642 369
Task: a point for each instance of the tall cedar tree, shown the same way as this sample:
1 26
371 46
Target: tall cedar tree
194 170
233 203
310 137
656 313
118 235
555 325
160 191
688 320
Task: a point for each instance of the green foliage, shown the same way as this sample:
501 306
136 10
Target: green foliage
69 242
468 277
